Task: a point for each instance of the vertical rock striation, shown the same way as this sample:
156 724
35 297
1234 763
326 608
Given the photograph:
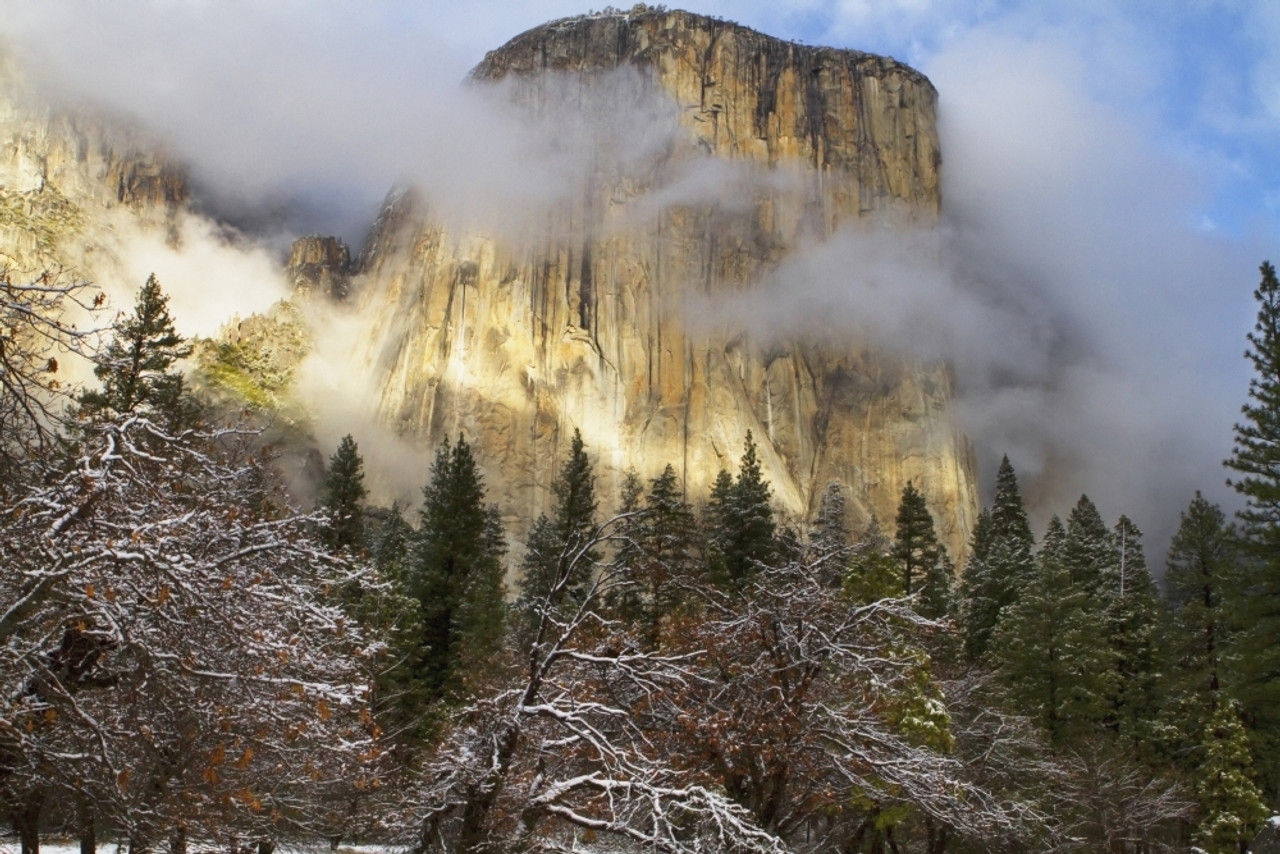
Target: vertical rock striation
319 265
607 320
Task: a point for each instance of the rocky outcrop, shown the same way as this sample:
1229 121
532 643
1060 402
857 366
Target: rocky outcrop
64 177
320 265
601 324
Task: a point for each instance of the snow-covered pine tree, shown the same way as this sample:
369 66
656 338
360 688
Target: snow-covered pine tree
1133 628
1000 563
1089 555
830 543
342 494
1231 807
740 527
936 597
1050 651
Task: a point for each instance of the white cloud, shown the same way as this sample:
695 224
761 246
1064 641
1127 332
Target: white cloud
208 275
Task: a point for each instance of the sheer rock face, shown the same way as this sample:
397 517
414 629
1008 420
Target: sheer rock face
66 177
608 322
320 265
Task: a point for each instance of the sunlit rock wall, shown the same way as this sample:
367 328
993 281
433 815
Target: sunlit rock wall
68 179
607 319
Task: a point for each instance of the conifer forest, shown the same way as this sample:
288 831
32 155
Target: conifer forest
193 659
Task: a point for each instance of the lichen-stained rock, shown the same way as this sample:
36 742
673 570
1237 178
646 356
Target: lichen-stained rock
609 323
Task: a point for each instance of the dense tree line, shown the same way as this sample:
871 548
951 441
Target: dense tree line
185 655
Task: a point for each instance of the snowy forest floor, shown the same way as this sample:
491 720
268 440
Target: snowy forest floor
9 845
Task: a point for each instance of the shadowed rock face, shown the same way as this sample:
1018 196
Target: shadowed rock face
320 265
606 318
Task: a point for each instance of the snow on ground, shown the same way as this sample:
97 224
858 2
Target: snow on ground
9 845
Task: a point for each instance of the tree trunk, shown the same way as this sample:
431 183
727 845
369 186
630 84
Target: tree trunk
936 836
266 846
178 840
26 821
88 827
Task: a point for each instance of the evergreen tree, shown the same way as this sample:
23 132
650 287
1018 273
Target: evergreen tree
455 571
830 541
391 549
1231 808
937 588
873 573
1255 458
1008 514
916 547
342 494
554 553
627 603
1090 554
135 368
658 552
1000 563
1049 649
1133 623
1199 577
401 694
830 530
739 520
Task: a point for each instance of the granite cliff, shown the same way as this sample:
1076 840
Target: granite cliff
605 319
68 178
706 155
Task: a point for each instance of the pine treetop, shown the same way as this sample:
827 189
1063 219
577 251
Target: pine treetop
341 493
1256 454
1008 515
135 365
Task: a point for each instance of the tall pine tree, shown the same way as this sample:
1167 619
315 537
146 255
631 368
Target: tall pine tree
559 558
1000 563
1049 649
455 572
1089 554
1255 458
916 546
739 520
1200 577
1133 628
342 494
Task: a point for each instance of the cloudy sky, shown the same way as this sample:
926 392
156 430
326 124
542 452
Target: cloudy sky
1110 169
